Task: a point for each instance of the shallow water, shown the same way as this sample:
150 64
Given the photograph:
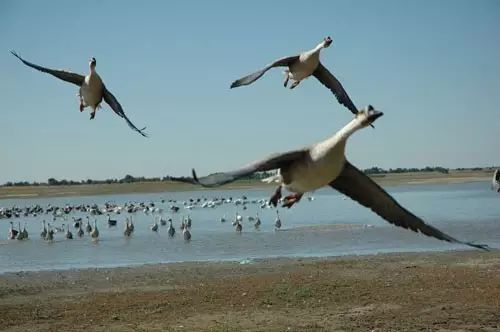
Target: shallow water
328 225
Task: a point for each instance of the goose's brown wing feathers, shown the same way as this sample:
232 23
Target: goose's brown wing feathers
249 79
67 76
327 79
117 108
272 162
359 187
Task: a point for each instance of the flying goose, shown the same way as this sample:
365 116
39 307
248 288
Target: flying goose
300 67
322 164
92 89
495 182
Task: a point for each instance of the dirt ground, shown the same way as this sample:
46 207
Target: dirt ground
453 291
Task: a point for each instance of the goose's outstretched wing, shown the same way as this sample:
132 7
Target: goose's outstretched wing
249 79
274 161
117 108
359 187
67 76
327 79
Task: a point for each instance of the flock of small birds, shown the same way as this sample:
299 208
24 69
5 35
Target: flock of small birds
82 224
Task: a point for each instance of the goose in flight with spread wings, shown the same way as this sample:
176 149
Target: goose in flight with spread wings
300 67
325 164
92 90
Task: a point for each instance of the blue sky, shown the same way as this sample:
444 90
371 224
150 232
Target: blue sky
433 67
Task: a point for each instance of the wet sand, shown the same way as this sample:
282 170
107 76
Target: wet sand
392 292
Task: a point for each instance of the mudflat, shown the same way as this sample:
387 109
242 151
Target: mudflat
445 291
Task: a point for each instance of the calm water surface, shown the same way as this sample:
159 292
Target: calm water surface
328 225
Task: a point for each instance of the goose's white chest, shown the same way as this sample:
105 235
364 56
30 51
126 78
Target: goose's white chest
307 64
323 167
91 90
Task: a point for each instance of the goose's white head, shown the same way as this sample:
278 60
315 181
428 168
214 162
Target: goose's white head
92 63
327 42
367 116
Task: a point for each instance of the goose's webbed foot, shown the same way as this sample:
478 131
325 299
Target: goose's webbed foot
290 200
294 84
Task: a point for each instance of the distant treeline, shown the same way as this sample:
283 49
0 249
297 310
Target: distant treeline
256 176
378 170
126 179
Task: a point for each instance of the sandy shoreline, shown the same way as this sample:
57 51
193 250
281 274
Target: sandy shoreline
392 179
399 292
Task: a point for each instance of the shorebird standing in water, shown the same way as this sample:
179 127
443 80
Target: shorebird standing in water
12 232
69 235
80 232
187 234
495 182
43 233
154 227
171 229
277 222
257 222
239 227
88 228
95 232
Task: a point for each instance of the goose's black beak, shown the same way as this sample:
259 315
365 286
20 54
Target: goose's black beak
374 115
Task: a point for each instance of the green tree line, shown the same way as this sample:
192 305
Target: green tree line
257 176
126 179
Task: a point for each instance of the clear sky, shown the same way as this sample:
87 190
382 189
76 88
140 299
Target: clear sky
433 67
